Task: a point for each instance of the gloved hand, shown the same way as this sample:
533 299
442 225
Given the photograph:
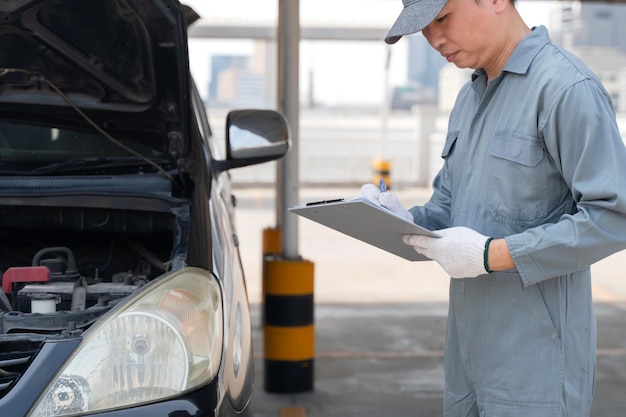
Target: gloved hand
371 193
460 251
387 200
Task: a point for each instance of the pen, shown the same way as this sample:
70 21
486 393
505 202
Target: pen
383 186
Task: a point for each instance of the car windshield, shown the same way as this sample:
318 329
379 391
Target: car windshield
42 149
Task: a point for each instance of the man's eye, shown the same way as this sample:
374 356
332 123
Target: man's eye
442 18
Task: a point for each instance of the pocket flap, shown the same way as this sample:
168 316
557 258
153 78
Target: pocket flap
450 141
516 147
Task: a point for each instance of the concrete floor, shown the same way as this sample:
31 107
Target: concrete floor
386 360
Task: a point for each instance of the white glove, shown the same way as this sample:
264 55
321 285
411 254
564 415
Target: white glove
371 192
387 200
460 251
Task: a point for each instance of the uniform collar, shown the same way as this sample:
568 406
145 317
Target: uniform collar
524 52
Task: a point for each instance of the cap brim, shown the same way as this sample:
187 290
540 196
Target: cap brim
414 17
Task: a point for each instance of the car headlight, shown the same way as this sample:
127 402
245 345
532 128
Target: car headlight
166 340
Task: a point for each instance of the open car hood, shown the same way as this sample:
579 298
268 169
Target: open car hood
123 63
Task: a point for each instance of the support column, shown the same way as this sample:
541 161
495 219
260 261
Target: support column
289 332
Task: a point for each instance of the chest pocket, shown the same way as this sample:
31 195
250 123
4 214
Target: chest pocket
517 180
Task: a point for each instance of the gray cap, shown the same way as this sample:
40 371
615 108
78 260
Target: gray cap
416 15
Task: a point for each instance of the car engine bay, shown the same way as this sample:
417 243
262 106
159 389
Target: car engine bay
63 267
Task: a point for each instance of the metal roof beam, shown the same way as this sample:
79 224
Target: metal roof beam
213 30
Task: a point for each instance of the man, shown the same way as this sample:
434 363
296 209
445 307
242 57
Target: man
532 192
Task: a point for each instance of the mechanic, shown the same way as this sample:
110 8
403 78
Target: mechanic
531 193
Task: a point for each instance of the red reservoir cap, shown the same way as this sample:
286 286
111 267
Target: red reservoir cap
24 274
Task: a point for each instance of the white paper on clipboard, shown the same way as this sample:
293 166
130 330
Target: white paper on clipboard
367 222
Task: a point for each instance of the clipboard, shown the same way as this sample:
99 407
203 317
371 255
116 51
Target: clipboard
367 222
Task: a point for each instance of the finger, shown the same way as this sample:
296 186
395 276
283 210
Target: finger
417 240
388 199
448 232
418 244
370 192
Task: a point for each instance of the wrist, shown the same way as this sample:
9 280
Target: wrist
498 256
486 255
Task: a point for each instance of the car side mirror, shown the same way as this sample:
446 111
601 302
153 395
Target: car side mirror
254 137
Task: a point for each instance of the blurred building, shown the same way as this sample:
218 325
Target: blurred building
244 80
576 24
242 88
596 33
220 63
424 64
422 86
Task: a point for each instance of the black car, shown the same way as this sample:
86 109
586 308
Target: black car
122 288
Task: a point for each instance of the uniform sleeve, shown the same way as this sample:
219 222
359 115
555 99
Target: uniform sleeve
582 138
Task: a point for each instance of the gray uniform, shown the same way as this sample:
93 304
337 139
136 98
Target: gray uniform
535 156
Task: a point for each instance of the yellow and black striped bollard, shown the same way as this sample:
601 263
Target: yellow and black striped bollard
289 331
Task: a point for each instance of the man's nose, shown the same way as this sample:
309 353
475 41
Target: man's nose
434 36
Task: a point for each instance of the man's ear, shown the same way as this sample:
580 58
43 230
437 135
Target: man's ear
500 5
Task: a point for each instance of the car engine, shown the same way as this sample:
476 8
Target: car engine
62 268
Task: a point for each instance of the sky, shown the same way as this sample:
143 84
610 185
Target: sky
344 73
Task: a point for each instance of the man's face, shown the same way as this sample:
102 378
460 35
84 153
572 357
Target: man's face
461 33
